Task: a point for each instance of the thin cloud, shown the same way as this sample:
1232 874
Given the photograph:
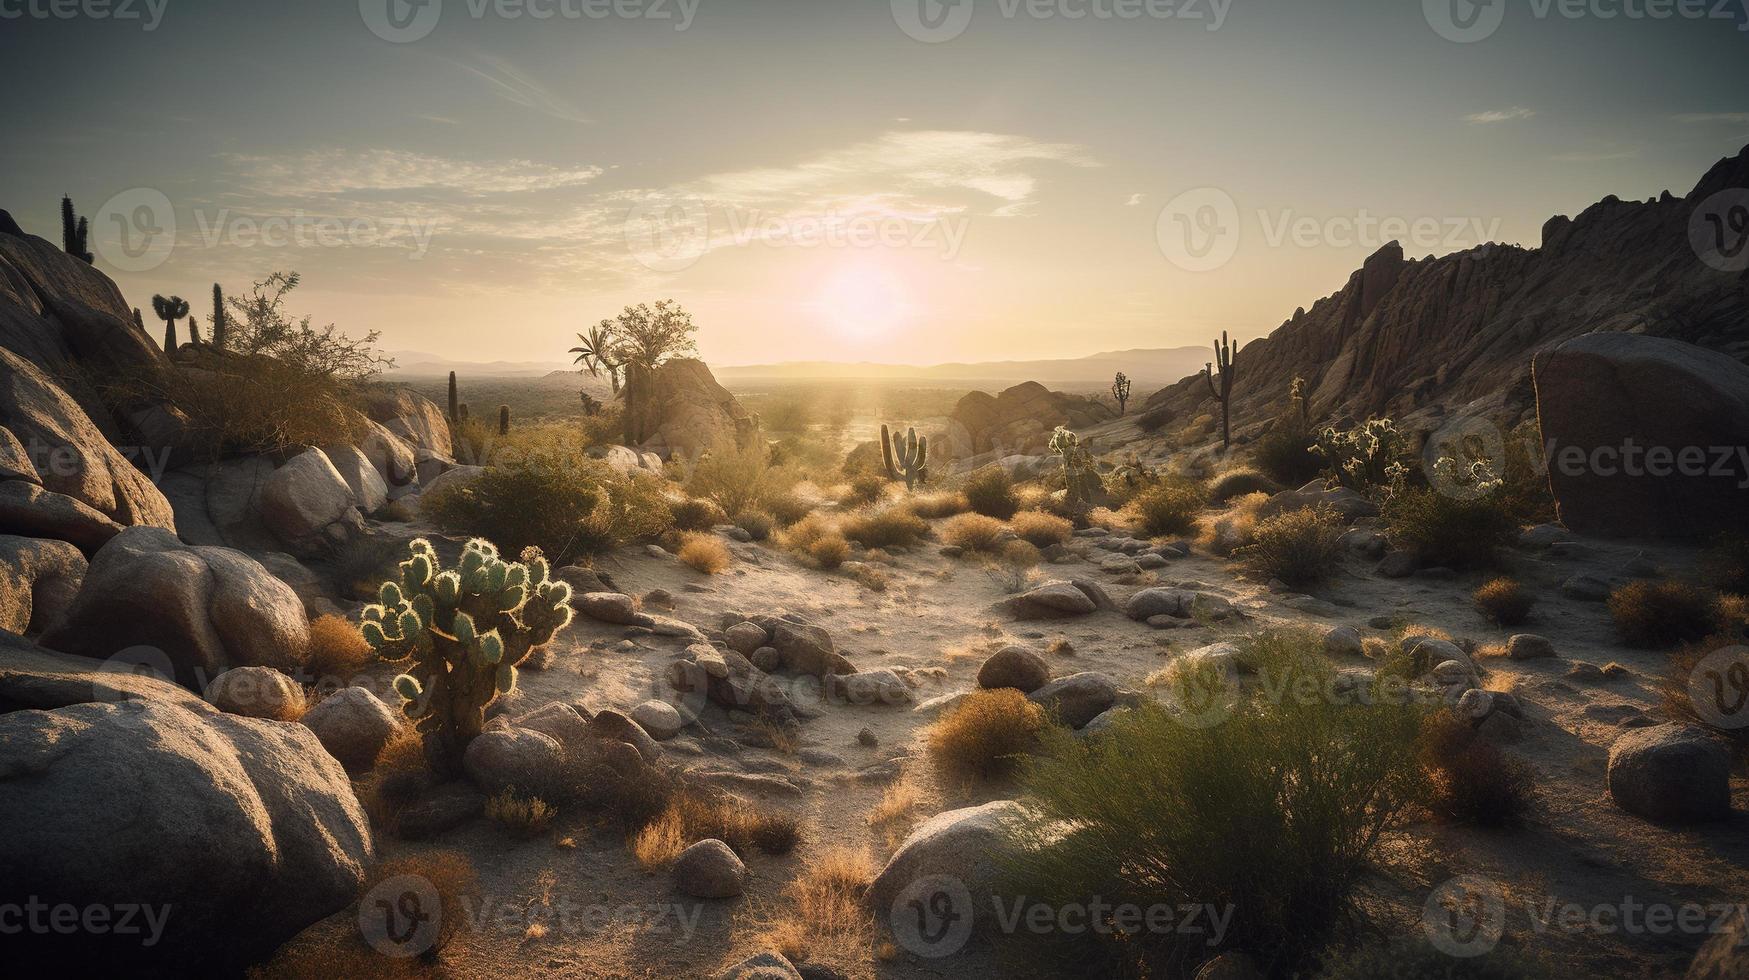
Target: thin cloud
514 85
334 172
1499 115
1703 118
1135 199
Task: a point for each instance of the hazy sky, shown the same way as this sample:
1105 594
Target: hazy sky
834 179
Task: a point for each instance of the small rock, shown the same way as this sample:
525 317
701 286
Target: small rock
765 966
744 638
353 725
1077 699
1343 641
1016 667
256 692
867 739
1529 646
1585 672
1396 564
1585 588
709 869
951 551
659 719
428 818
659 597
656 551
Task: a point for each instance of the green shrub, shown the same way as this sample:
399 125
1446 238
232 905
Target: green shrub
1169 506
1472 781
885 527
1239 483
788 507
1300 547
1285 452
735 480
1661 614
522 506
1307 783
1367 458
1444 529
1154 419
990 491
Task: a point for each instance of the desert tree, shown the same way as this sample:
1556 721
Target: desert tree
595 350
643 338
169 309
1120 390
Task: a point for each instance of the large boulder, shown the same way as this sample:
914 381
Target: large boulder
395 461
225 835
55 308
1726 955
38 580
69 454
258 692
353 725
1670 773
206 609
1649 437
369 489
957 855
307 504
516 760
1077 699
411 418
679 409
1016 667
219 503
1019 420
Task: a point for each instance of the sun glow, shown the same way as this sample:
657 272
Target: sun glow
863 302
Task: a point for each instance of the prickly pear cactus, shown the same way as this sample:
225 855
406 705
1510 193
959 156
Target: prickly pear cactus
461 634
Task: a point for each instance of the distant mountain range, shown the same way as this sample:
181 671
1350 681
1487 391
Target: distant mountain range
1147 367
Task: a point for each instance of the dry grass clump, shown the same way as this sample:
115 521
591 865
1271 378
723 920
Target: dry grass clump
696 514
884 527
704 552
1504 601
896 812
691 816
1300 547
864 489
1710 698
973 532
939 504
756 523
1168 507
986 734
337 649
398 778
1661 614
818 539
1021 554
1471 780
526 816
1041 529
1238 483
735 480
831 921
1226 533
788 507
990 491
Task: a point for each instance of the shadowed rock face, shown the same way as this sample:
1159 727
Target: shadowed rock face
679 408
1405 333
1019 420
1649 437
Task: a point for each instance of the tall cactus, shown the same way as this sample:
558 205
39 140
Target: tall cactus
219 324
1120 390
454 415
906 460
461 634
169 309
1223 360
75 232
503 420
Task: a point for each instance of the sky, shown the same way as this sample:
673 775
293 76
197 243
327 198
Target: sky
909 181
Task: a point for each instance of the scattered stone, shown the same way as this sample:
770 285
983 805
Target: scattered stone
609 607
660 598
1077 699
1543 535
1396 564
1585 588
256 692
1052 600
1670 773
1016 667
870 687
867 739
744 638
521 761
659 719
709 869
445 811
968 846
1343 641
1529 646
1585 672
765 966
951 551
610 724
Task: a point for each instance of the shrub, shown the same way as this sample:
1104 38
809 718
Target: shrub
1661 614
704 552
1366 458
1418 959
986 734
337 649
1300 547
885 527
734 480
1041 529
696 514
1021 554
1168 507
1226 533
691 814
865 489
567 508
990 492
817 538
939 504
1504 601
788 507
1238 483
973 532
1154 419
451 875
1470 780
1710 699
756 523
1309 783
1447 530
397 779
527 817
1285 454
831 920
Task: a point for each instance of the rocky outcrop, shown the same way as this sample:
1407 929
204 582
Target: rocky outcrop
38 580
225 835
679 409
1408 334
55 309
1648 437
410 418
308 505
205 609
1018 421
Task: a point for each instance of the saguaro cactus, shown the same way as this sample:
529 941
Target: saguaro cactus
503 420
906 460
1224 360
462 634
75 233
1120 390
454 412
169 309
219 323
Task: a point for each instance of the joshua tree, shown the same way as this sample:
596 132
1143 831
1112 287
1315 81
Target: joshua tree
1120 390
169 309
218 317
74 231
461 634
454 413
1223 394
906 459
595 351
503 420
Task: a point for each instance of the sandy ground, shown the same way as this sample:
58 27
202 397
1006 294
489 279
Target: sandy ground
941 613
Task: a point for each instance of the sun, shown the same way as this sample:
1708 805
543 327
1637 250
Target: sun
863 301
